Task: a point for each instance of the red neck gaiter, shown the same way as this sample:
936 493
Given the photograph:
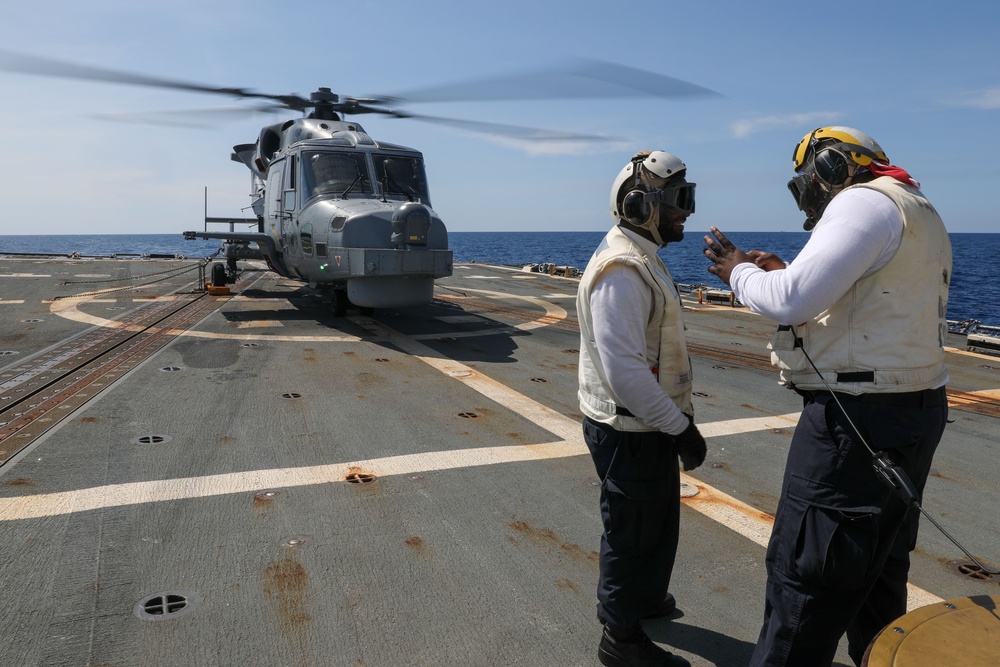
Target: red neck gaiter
900 174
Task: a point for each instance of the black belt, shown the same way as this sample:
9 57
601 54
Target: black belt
928 398
856 376
623 412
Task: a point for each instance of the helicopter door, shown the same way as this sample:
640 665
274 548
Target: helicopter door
272 196
281 201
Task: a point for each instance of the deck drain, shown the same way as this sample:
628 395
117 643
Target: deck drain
359 478
468 415
32 320
166 605
151 439
7 353
539 380
291 394
571 351
171 369
700 393
382 360
251 344
970 570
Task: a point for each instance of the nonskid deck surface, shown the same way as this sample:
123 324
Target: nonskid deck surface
266 484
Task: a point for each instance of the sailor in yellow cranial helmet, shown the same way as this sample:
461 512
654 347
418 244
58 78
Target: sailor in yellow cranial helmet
861 312
829 159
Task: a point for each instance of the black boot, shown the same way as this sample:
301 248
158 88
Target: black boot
637 650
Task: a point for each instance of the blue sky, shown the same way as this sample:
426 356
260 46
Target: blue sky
925 83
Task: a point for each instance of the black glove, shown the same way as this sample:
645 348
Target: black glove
691 447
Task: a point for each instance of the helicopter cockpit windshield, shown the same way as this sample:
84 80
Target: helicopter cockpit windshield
401 175
325 173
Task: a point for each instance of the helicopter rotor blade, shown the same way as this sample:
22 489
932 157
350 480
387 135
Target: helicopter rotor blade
578 79
503 130
26 64
204 118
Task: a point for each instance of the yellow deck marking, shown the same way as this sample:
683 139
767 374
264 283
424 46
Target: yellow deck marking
552 311
256 324
69 309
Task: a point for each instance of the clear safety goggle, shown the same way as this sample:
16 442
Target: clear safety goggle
677 197
799 186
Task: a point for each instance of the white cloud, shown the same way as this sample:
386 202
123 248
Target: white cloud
744 128
988 98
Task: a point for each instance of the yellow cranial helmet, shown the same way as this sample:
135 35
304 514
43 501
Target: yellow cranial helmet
826 161
855 144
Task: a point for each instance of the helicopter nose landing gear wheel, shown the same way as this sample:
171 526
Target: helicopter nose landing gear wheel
218 274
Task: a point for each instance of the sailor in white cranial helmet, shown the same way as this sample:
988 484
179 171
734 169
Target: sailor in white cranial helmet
635 390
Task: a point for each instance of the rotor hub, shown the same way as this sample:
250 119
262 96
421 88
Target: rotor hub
324 95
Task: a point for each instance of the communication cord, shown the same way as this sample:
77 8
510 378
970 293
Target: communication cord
889 472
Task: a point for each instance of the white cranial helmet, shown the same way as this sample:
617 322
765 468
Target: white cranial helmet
648 172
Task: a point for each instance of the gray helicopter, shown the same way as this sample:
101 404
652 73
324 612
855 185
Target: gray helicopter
340 210
336 208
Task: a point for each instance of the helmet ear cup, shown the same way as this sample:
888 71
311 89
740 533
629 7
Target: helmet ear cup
831 167
635 210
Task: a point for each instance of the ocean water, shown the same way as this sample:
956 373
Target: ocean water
975 292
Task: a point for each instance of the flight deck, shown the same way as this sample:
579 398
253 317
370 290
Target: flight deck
190 478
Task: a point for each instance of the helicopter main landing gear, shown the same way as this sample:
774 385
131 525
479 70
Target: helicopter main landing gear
341 302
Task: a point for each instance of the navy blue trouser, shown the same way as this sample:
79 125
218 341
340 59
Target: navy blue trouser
640 509
839 554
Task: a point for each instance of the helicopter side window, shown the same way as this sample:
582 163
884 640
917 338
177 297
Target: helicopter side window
275 182
288 198
306 235
328 173
400 175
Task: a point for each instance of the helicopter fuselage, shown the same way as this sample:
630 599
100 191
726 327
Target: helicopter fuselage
337 208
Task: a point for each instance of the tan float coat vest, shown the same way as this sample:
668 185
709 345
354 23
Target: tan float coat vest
597 400
886 334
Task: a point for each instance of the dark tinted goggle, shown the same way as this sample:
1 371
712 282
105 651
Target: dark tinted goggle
676 197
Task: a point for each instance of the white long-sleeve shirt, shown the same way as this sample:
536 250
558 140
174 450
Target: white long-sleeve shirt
621 303
860 232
